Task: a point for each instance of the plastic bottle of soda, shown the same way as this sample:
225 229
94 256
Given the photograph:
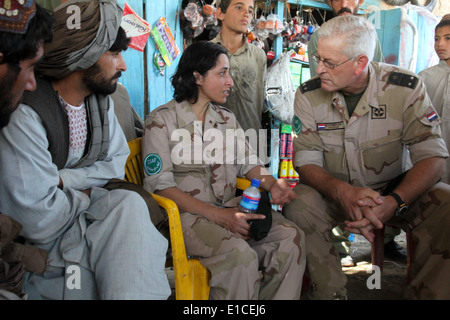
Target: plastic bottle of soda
250 198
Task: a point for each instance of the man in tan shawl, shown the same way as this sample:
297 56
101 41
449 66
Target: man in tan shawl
62 146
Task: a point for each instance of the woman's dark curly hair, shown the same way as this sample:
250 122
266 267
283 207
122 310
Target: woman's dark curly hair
201 56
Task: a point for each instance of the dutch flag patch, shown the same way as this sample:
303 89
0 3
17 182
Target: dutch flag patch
432 116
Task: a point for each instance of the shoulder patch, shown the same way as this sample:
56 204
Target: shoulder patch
403 79
310 85
152 164
297 125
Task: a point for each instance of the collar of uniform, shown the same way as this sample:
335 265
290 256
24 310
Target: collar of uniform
186 117
369 95
373 86
215 115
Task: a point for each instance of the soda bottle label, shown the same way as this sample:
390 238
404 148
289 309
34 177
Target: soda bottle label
249 203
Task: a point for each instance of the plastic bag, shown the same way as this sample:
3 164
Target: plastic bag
280 89
273 24
260 29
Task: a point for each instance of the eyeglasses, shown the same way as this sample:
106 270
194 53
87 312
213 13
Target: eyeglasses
328 64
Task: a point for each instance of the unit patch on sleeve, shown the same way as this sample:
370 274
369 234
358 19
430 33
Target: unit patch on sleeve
296 125
152 164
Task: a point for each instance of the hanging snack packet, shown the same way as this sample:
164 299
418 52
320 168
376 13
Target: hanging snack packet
165 42
136 28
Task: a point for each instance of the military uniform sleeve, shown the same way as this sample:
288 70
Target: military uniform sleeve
156 154
308 146
422 132
246 158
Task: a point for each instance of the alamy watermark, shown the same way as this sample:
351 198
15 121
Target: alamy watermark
213 146
73 279
374 281
74 21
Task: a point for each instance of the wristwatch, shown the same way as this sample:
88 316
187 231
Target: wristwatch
402 206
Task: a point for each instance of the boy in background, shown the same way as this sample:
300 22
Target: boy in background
437 81
248 63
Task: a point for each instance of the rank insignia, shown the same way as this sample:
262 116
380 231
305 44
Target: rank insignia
379 113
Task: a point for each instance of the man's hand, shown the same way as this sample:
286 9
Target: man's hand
373 216
281 193
359 205
357 201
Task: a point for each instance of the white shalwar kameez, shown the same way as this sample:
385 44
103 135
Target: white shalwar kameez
100 247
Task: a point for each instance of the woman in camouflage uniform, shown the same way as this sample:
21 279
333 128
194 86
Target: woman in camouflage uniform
199 174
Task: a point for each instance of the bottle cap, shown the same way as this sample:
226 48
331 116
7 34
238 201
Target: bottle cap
255 183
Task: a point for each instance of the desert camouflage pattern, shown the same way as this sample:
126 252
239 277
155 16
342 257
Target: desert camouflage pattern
370 147
269 269
234 263
393 121
212 180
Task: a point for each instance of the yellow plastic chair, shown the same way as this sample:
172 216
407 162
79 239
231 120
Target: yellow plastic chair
242 183
191 277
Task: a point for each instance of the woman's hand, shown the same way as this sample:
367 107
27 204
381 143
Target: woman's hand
237 222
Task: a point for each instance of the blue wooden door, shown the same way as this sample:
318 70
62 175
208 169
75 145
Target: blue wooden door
406 37
147 87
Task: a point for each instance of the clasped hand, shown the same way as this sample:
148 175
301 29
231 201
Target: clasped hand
366 209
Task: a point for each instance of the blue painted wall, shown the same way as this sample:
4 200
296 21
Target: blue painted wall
397 39
147 87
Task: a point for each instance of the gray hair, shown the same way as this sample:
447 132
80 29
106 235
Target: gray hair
358 33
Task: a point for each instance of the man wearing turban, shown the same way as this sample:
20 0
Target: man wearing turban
61 147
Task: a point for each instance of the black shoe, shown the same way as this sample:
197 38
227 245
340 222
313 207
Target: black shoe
393 251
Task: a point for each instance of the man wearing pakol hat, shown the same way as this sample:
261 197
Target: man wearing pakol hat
24 26
62 146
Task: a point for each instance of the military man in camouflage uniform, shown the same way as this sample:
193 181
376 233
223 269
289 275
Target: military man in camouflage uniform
357 124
